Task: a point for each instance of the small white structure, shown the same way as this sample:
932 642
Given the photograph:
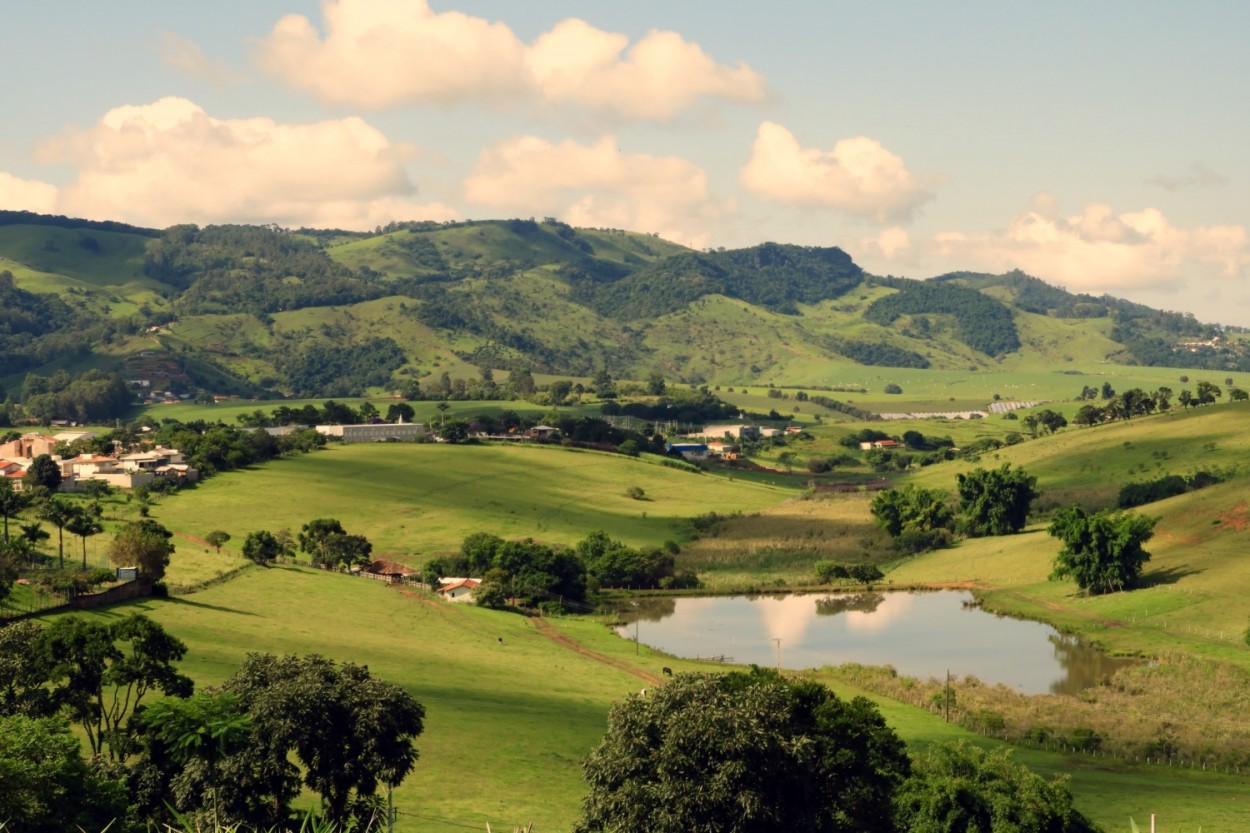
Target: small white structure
723 430
380 432
459 590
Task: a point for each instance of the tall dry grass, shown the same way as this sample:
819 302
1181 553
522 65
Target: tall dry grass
1178 710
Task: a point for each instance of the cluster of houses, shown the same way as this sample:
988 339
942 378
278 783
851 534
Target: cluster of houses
720 441
128 471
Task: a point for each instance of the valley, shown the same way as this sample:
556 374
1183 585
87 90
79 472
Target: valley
469 322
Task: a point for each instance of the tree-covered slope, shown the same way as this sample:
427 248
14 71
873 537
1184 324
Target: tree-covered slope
250 309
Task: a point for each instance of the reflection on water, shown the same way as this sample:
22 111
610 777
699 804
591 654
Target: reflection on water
921 634
841 603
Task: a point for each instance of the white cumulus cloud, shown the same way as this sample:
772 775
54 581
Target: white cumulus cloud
376 54
170 162
595 185
858 176
26 195
1100 250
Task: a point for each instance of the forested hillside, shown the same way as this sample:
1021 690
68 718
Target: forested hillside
261 310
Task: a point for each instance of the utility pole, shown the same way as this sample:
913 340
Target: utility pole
948 695
635 637
778 641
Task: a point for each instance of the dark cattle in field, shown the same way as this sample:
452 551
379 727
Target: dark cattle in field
668 672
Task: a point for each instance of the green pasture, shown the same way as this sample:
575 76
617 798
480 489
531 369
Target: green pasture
97 258
1090 464
228 411
1193 586
510 713
414 500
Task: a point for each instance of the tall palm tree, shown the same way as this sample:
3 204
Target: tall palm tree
59 513
84 524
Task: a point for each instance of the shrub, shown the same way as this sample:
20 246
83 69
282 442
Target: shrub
828 571
865 573
1085 739
987 722
913 541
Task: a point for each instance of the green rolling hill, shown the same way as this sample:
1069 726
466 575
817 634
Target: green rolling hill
259 310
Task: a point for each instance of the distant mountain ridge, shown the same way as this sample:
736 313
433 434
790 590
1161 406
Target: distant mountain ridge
259 309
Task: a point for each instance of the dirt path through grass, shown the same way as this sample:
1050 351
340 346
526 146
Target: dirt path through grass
544 627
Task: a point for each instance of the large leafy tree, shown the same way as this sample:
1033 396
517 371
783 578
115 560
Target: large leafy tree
349 733
1103 551
743 752
100 673
44 472
312 536
262 547
911 509
959 787
144 544
996 501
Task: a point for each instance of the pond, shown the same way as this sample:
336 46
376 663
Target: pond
922 635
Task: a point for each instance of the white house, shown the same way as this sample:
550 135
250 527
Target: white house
459 590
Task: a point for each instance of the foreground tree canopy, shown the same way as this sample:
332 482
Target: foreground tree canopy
297 722
743 752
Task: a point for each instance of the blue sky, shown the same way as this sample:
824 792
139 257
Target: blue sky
1099 146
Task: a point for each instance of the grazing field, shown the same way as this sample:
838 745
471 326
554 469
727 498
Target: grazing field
511 711
228 411
415 500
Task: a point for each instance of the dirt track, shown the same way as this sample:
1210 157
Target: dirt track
546 630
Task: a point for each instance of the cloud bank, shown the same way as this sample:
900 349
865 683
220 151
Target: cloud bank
26 195
858 176
1099 250
377 54
170 162
595 185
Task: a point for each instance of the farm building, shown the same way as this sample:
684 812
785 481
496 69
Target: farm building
380 433
459 590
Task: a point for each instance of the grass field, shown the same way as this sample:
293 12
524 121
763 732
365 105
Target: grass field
510 712
512 719
415 500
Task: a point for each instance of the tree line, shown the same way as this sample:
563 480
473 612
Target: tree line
530 574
